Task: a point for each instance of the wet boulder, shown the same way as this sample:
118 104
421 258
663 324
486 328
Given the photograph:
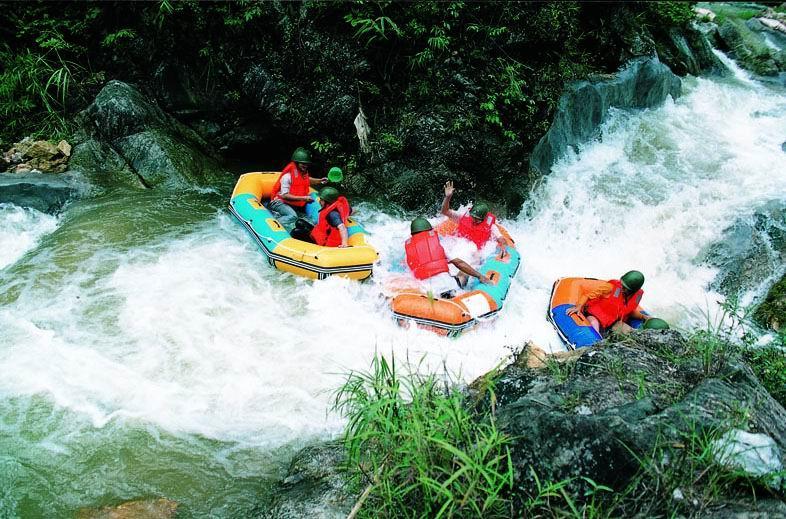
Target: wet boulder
750 48
159 150
751 250
45 193
621 400
688 51
644 83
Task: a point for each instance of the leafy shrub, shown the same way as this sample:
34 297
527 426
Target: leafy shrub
671 14
417 450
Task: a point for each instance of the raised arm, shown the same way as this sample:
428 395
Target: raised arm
446 210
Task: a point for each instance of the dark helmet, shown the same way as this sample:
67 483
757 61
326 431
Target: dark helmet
329 195
302 155
419 224
632 281
479 210
655 324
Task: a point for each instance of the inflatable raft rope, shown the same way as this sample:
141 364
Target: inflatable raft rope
575 331
455 315
291 255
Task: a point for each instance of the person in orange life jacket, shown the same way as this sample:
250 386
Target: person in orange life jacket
477 225
331 227
427 260
611 302
290 193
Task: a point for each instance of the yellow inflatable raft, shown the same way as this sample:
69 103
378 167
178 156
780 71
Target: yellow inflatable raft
291 255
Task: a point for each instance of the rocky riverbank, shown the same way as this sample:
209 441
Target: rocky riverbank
664 423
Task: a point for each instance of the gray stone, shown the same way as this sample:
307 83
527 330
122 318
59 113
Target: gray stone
750 48
642 392
688 51
156 147
751 250
644 83
46 193
102 165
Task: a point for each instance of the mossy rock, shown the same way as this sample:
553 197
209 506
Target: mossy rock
750 49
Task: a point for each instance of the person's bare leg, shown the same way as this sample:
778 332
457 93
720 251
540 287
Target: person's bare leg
594 322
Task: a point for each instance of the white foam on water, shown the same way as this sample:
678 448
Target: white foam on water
652 194
196 334
20 230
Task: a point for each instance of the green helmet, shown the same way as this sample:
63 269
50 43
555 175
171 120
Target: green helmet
655 324
479 210
335 174
632 281
419 224
329 195
302 155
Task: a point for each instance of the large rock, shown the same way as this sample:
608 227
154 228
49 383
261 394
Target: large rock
751 250
45 193
644 83
154 146
750 48
688 51
625 400
103 165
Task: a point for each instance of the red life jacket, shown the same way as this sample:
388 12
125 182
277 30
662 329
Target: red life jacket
478 233
300 185
324 233
425 255
614 308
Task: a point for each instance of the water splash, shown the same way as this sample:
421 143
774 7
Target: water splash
20 230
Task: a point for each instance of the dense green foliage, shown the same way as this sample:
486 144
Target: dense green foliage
417 449
497 68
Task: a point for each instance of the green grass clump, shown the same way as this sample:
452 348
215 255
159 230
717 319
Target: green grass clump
417 450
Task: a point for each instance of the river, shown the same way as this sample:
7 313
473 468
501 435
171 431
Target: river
147 349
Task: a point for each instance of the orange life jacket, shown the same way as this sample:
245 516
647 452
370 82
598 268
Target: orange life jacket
425 255
324 233
478 233
299 186
613 308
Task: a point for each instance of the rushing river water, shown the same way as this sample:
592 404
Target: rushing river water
147 349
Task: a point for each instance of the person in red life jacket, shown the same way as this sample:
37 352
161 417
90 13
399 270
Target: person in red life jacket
291 192
610 303
476 225
331 227
428 262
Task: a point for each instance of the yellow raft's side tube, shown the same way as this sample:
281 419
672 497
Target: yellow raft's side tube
291 255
